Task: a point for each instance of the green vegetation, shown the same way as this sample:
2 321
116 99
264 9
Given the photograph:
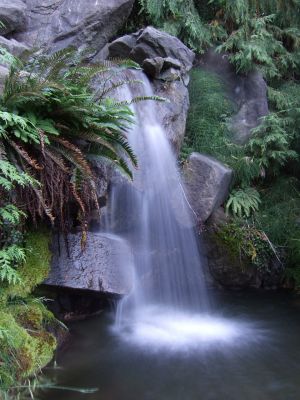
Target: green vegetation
243 202
26 346
247 243
35 267
207 130
278 216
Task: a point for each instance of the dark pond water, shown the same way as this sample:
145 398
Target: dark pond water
259 358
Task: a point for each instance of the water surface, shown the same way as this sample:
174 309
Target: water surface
247 350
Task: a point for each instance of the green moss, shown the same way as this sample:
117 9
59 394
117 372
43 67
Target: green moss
25 345
30 317
247 243
37 265
31 313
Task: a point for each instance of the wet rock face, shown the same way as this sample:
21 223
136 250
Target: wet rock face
106 265
173 114
12 15
166 61
207 183
79 23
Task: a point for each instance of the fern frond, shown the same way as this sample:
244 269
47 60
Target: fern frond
76 154
23 153
243 202
11 214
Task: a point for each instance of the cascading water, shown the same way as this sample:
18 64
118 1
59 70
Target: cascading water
168 302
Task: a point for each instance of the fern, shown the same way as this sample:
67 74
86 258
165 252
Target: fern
10 214
243 202
7 58
9 258
44 115
245 241
10 176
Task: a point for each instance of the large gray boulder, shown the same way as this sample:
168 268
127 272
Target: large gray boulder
12 16
81 23
248 93
207 183
106 265
150 43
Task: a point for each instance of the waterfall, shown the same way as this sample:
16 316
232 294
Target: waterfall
161 234
169 300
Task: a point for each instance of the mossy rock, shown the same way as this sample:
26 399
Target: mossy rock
23 351
26 346
32 315
37 266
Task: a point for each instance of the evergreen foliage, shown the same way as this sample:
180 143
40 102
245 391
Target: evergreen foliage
57 114
270 144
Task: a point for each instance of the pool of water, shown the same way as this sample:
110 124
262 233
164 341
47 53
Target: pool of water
248 349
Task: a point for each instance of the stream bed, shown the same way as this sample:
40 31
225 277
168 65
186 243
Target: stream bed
249 350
